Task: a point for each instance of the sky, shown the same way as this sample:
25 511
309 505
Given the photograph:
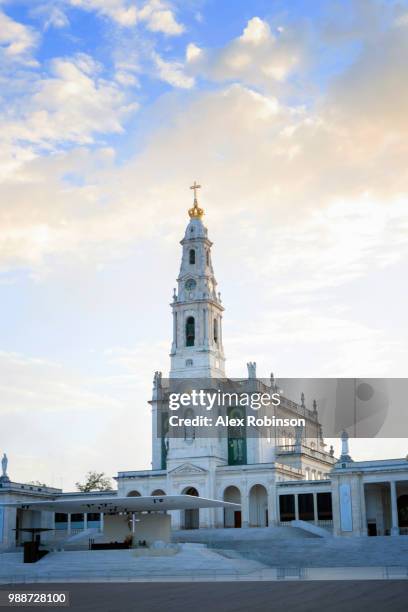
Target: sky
291 115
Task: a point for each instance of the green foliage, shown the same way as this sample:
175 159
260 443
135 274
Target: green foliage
95 481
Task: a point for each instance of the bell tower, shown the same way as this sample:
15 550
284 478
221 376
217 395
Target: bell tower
196 350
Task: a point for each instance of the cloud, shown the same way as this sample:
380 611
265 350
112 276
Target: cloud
373 93
257 57
307 341
74 206
156 14
38 385
331 247
72 415
299 183
51 14
304 176
17 41
71 105
122 11
172 72
159 18
193 52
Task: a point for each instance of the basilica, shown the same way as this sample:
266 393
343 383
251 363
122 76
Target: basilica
275 479
279 477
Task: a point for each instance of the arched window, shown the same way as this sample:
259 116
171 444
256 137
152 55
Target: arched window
215 331
207 256
190 331
191 256
158 492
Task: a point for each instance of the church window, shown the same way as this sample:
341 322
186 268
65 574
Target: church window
215 331
191 256
189 363
237 448
190 331
207 256
190 284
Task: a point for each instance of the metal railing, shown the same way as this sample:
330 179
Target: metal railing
308 450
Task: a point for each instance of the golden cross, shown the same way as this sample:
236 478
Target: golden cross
195 187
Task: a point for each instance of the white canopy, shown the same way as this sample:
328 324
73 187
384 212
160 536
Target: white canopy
112 504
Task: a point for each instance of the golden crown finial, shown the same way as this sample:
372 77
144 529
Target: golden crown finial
196 212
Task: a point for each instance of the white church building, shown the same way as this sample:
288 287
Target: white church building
290 479
274 480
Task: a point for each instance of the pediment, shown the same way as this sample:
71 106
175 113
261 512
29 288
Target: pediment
187 468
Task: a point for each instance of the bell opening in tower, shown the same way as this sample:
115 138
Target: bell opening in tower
190 331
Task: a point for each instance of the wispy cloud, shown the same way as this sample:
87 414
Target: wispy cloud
157 15
172 72
17 41
72 104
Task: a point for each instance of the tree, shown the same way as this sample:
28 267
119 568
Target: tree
95 481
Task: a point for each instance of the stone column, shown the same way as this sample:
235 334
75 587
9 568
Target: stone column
296 507
245 507
10 537
69 523
85 521
272 505
204 518
394 509
205 327
364 531
315 512
176 519
101 522
174 346
220 518
133 523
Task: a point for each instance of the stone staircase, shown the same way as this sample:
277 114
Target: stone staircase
293 547
215 554
209 536
190 560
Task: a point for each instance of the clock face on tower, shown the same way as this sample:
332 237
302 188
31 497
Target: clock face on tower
190 284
